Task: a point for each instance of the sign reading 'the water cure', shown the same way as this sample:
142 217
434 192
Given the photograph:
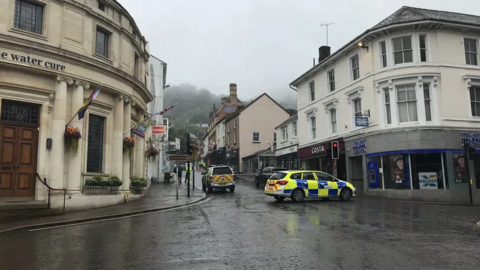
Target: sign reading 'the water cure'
31 61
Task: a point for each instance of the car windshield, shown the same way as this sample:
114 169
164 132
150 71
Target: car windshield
277 176
222 170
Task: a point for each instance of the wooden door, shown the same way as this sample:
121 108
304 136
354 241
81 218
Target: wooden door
18 148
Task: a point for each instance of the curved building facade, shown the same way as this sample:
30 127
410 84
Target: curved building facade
400 99
53 55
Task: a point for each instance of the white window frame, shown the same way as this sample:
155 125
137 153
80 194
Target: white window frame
384 91
312 119
311 92
353 95
412 43
333 123
427 43
352 72
465 52
284 133
253 137
235 124
425 85
381 54
331 105
407 101
331 83
294 128
473 85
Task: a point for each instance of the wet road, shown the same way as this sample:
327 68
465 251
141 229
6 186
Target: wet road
247 230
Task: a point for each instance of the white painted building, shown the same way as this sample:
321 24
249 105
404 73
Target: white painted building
286 140
417 74
158 77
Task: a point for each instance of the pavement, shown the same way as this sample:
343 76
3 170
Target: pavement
161 196
249 230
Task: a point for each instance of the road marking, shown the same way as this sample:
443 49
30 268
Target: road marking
110 219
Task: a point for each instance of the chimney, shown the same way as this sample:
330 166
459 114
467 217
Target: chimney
233 89
324 52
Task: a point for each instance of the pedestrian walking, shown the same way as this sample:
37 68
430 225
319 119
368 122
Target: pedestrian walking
180 174
187 173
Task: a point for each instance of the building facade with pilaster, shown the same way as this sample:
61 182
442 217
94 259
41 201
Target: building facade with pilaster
53 55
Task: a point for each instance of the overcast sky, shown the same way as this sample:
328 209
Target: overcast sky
262 45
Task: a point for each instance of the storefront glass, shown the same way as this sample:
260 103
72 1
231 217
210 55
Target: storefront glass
427 171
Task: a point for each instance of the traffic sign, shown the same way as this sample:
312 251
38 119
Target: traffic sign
178 158
161 129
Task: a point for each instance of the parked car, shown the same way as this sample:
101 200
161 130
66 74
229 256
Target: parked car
263 175
220 177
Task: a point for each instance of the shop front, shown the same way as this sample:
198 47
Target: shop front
287 157
232 159
319 157
425 165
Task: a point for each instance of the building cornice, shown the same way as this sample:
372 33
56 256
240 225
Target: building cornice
73 58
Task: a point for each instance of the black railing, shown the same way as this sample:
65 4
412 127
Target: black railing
44 182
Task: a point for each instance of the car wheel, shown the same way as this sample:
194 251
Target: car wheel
298 195
278 198
346 194
232 189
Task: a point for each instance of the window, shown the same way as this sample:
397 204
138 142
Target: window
383 53
101 6
323 176
101 44
423 48
407 103
471 51
228 139
96 129
427 98
296 176
28 16
311 86
274 137
308 176
235 124
355 67
333 120
221 170
136 66
331 80
294 127
234 138
402 50
387 105
313 124
284 134
256 137
357 107
228 127
475 100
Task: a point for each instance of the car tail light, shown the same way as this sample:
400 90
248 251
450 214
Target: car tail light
281 182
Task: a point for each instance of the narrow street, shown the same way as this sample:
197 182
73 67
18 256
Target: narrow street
248 230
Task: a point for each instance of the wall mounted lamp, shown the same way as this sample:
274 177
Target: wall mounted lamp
361 45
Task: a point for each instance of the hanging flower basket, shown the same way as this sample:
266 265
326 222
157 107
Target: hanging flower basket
151 153
129 144
72 136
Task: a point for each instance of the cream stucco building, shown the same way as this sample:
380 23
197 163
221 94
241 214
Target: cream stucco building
415 76
53 54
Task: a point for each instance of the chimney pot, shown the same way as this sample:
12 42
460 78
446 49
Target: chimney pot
324 52
233 89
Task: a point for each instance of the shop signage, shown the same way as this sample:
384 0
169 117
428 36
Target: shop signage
472 138
161 129
311 151
284 151
361 121
32 61
428 180
293 138
360 147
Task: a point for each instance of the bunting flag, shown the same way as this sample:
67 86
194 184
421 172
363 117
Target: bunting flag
141 128
83 109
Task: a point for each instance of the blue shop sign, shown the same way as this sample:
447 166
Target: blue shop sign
472 138
361 121
360 147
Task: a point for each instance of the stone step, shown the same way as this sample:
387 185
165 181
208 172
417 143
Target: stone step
22 205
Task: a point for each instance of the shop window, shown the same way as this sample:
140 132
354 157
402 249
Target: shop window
427 171
460 173
28 16
396 171
96 132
